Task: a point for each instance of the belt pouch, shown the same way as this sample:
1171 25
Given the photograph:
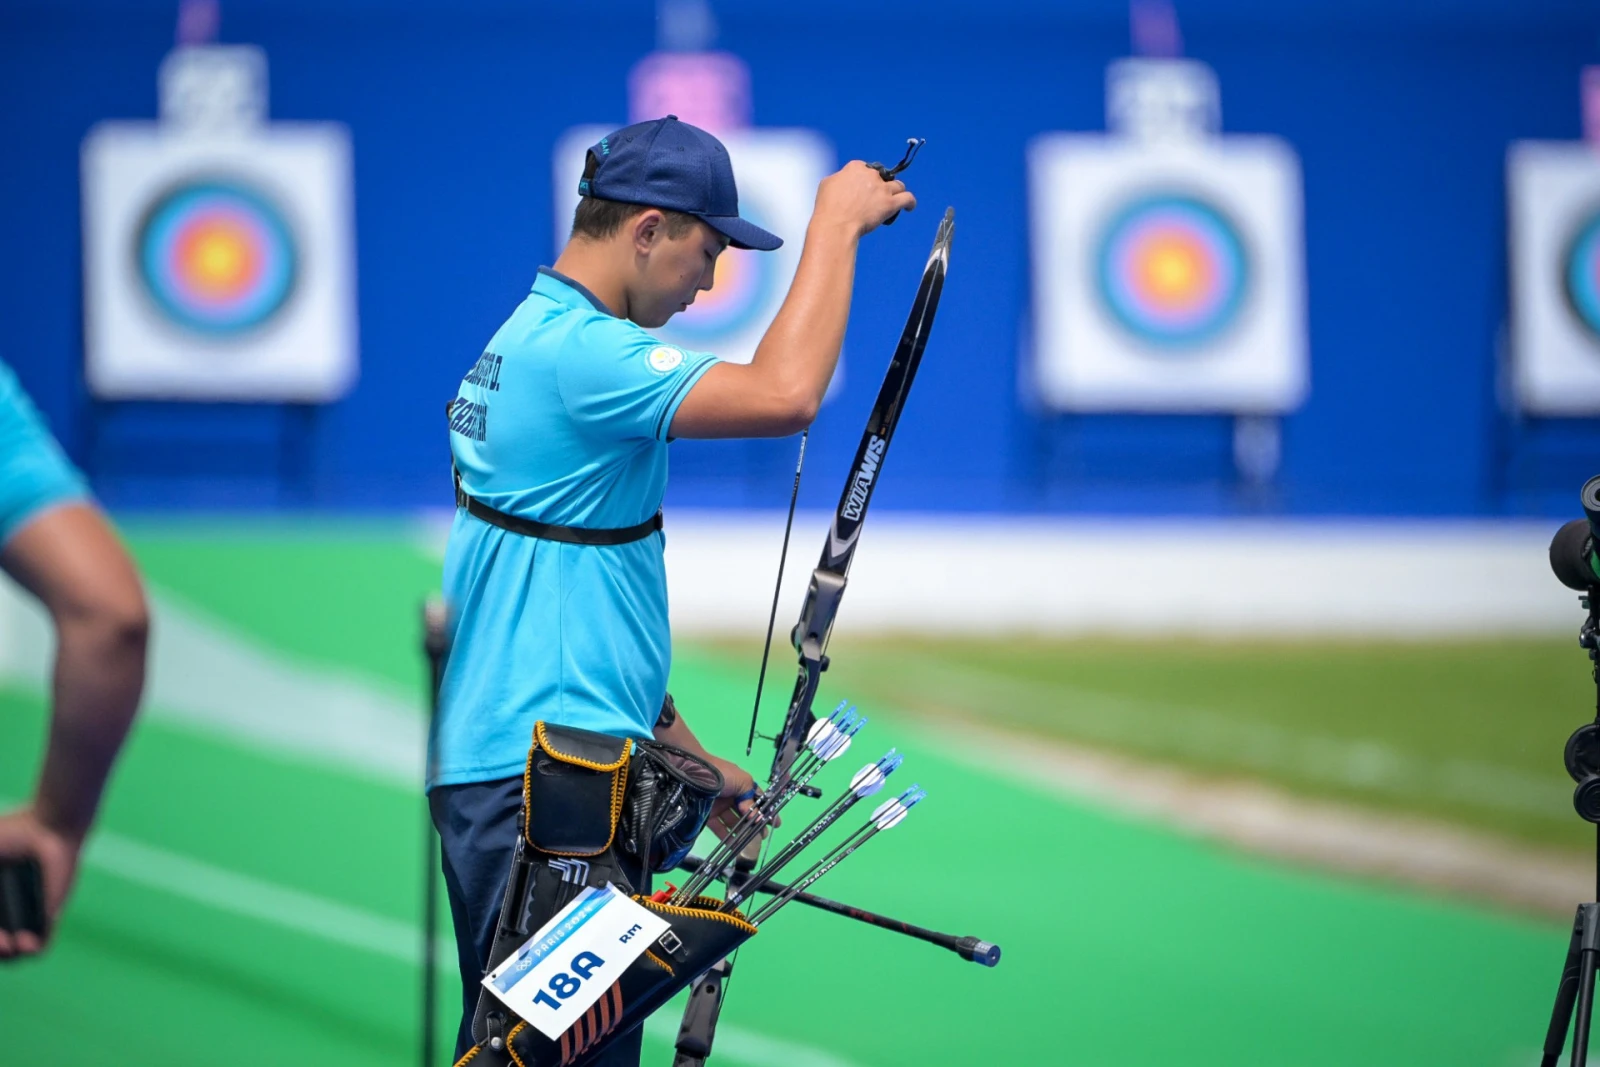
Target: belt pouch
572 790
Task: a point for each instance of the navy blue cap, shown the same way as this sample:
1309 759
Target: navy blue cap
669 164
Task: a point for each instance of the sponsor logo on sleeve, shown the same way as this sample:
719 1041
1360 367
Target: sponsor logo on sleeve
664 358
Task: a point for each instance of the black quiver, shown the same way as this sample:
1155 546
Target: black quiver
599 809
699 937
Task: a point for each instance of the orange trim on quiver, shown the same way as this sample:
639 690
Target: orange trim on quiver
701 908
510 1048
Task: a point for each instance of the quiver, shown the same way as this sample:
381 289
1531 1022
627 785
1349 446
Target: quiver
598 809
700 936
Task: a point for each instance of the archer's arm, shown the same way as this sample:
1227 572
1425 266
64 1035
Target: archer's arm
778 392
71 560
737 784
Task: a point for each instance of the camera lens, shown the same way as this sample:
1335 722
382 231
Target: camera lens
1590 497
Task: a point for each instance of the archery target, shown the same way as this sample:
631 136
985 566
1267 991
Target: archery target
218 265
217 256
777 172
1553 193
1580 271
1167 278
1172 269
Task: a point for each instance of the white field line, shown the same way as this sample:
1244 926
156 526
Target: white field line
327 920
1367 765
239 894
207 678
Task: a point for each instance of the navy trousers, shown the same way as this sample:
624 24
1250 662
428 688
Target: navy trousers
477 826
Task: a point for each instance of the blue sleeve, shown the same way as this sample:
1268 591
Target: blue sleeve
34 473
617 381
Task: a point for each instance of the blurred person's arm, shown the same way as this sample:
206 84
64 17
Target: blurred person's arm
779 391
72 561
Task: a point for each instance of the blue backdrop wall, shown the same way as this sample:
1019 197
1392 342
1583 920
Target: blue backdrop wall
1401 114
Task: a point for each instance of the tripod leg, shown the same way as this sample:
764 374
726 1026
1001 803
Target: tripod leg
1580 1029
1588 955
1555 1039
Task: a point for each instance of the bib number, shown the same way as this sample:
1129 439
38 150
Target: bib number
561 971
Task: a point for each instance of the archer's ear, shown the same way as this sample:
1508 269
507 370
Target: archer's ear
647 228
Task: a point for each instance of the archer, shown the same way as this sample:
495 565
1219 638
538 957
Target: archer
554 570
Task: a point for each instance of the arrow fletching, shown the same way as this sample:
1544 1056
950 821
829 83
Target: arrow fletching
891 813
830 738
869 779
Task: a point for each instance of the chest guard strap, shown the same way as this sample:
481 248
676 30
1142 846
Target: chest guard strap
548 531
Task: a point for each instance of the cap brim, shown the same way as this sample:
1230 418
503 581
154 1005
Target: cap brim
742 234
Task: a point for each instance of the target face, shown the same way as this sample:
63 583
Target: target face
217 257
1580 273
1168 279
1172 270
739 294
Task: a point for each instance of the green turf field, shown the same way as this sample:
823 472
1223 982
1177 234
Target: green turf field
1470 731
252 899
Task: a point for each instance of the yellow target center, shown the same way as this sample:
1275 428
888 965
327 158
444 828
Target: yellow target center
1173 272
220 260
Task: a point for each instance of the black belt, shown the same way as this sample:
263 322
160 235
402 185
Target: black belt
572 535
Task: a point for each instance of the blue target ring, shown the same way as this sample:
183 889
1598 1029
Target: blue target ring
217 257
1172 269
1580 273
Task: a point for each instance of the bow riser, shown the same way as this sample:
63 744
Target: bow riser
811 633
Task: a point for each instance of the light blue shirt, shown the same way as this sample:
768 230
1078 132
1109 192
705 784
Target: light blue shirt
34 473
563 420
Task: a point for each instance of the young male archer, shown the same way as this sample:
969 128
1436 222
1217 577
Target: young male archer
554 570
